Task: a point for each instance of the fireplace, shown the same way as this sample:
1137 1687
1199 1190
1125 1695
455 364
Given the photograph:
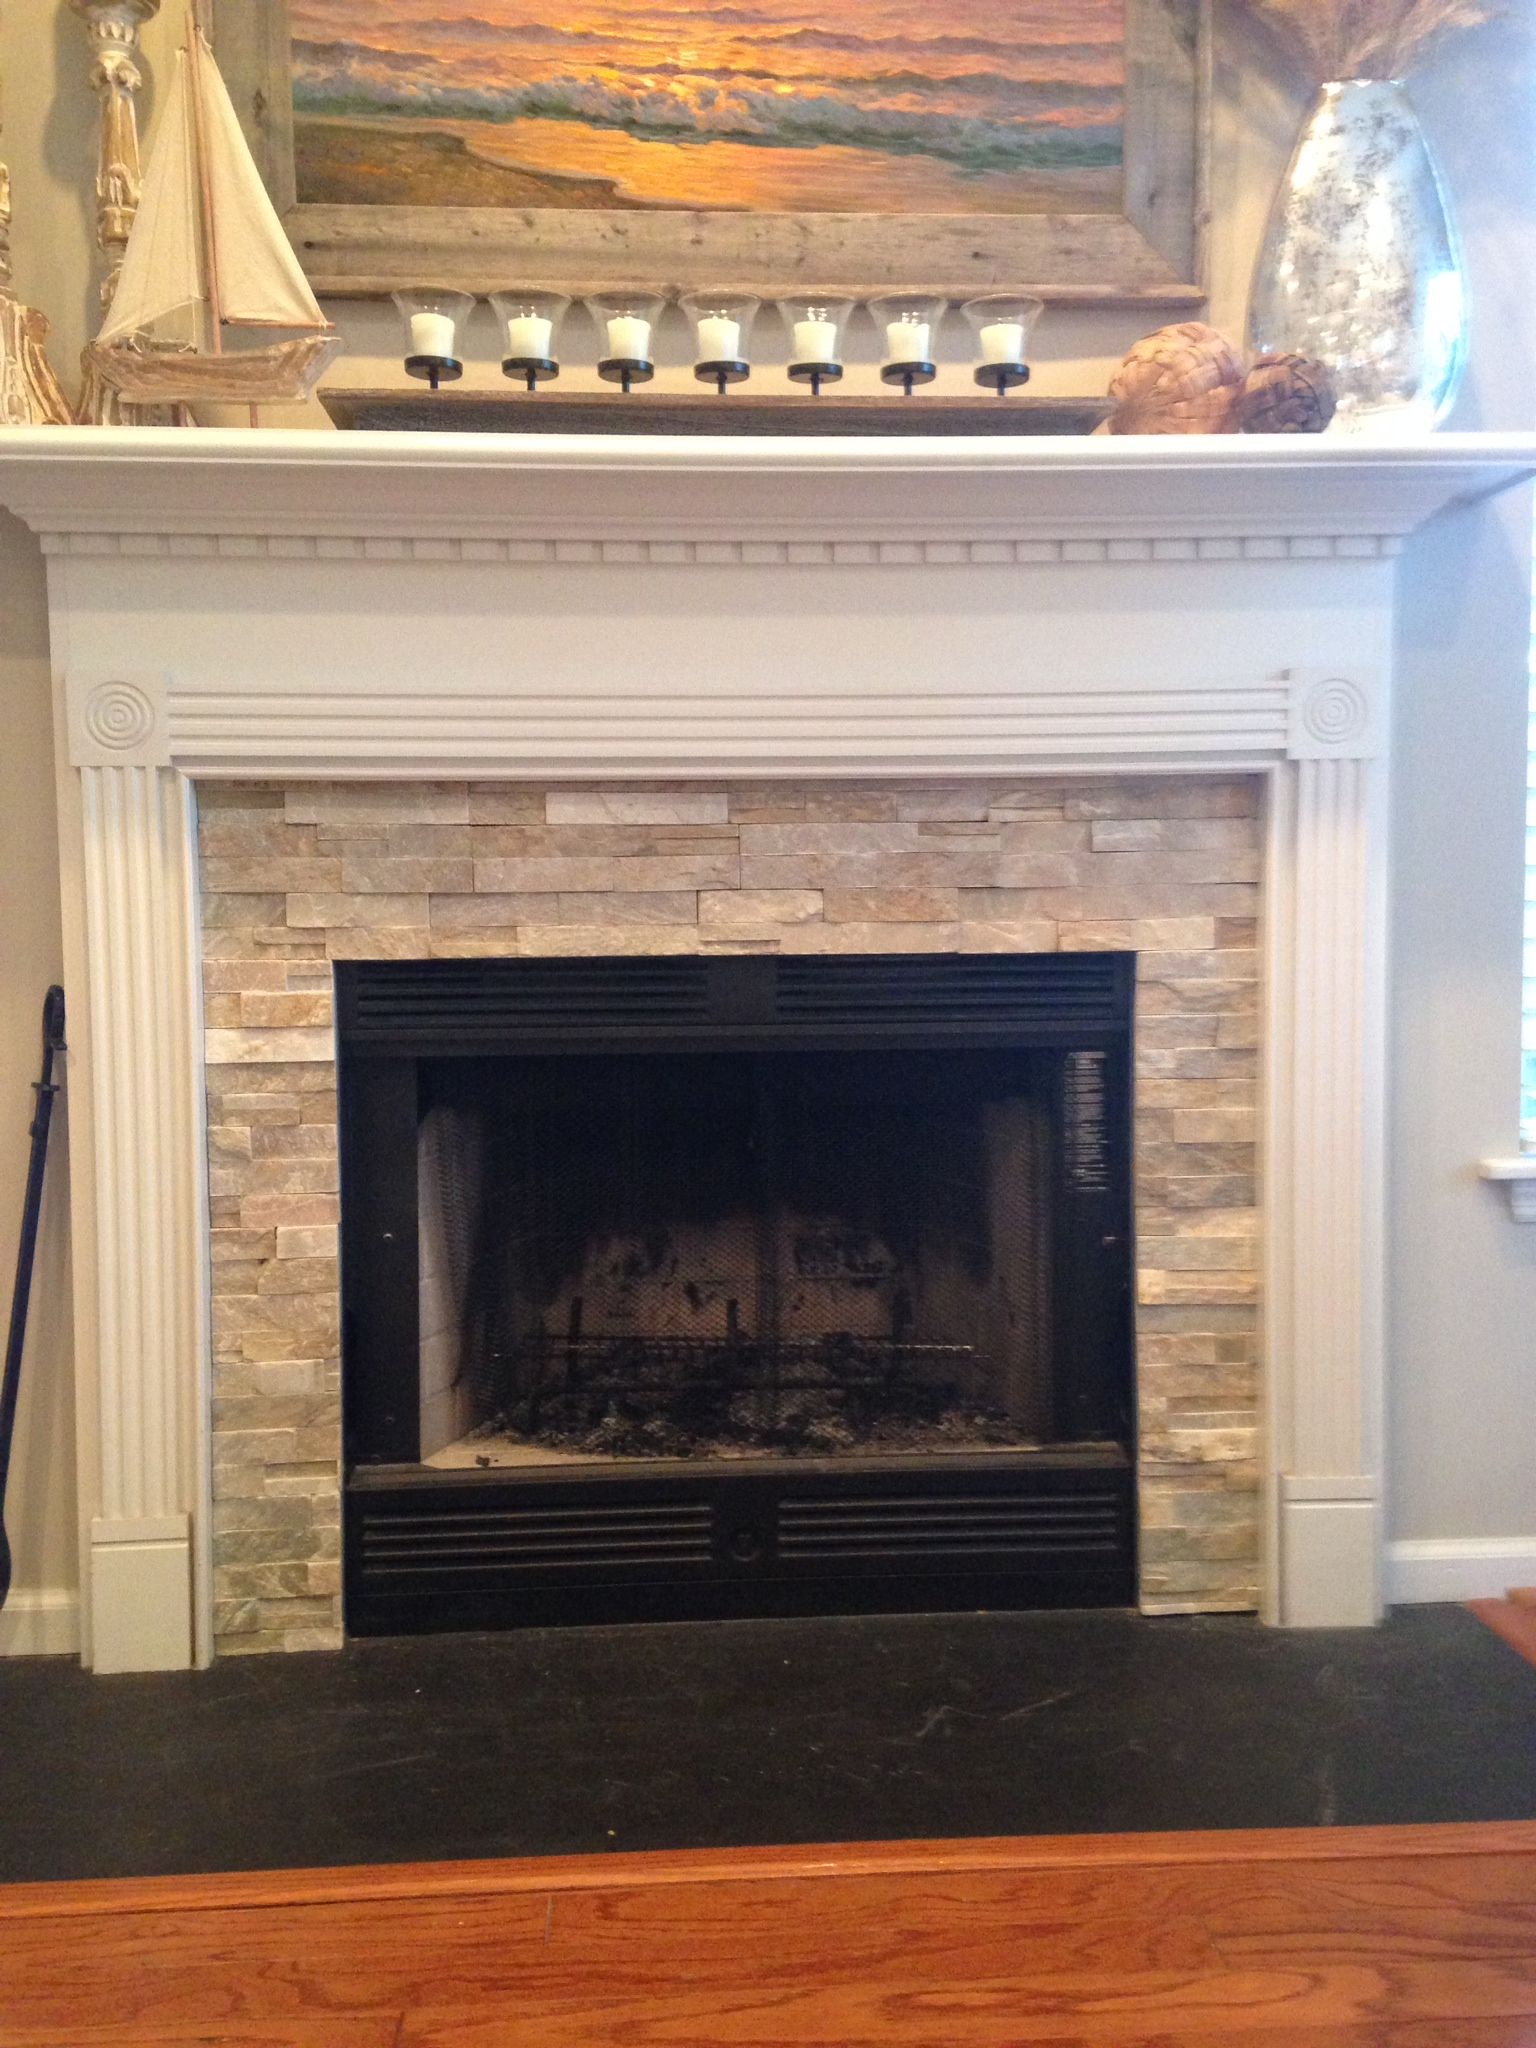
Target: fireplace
737 1285
635 617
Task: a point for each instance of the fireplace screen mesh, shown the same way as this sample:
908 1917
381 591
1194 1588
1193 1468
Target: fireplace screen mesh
726 1254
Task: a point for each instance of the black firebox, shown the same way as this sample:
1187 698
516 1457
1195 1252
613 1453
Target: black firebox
739 1285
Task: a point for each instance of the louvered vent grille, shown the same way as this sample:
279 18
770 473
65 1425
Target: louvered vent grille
1075 992
440 1003
409 1548
1084 1524
512 999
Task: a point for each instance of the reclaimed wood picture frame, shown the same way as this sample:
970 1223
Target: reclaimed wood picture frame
1136 235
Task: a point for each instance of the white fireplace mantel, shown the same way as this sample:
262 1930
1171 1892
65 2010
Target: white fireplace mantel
236 605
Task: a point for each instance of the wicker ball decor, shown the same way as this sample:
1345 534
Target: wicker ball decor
1287 394
1182 380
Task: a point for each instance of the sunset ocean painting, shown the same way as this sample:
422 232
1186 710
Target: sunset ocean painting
773 106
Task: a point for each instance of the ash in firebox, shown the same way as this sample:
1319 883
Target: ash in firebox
681 1398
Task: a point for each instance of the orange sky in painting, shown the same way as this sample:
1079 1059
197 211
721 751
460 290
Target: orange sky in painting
674 97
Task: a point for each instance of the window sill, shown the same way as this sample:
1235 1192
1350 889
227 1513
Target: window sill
1517 1177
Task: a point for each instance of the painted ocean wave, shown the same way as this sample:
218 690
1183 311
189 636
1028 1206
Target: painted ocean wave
346 78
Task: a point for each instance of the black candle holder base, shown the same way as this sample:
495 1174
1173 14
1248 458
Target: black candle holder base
816 374
626 370
1002 377
434 370
722 374
908 375
536 370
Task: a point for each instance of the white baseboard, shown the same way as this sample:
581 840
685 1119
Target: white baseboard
1459 1568
43 1624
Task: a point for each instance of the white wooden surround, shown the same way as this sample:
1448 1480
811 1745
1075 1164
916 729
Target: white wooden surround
303 604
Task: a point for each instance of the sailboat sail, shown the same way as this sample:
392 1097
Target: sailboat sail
165 266
260 282
163 270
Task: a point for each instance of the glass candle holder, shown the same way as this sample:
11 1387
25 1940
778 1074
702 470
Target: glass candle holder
909 322
722 336
433 315
530 329
816 327
626 327
1002 325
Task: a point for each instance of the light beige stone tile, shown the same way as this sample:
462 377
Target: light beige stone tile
755 913
1007 935
637 807
589 941
1177 968
892 906
248 874
222 1012
377 805
780 841
427 842
243 913
870 938
486 945
609 842
1189 1252
504 913
946 803
330 910
505 803
1204 1191
1173 835
235 977
291 1176
376 944
260 1007
939 868
1216 1127
1044 835
1099 935
257 1048
1175 934
316 1241
310 1140
1152 796
300 1276
254 832
1170 1289
568 874
406 876
237 796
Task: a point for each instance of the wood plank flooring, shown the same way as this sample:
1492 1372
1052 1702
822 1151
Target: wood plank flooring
1513 1618
1366 1938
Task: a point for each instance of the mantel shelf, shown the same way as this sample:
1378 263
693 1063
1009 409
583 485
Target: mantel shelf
124 481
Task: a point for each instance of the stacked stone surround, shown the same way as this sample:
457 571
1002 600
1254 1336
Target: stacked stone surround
295 878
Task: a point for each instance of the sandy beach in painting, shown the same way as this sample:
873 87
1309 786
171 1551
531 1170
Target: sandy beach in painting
888 106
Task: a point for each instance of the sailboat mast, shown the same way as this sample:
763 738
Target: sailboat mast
205 189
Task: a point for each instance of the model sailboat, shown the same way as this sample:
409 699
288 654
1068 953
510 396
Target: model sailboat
207 254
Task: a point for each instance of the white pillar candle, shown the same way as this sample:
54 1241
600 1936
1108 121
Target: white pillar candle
907 341
815 341
1003 342
629 339
719 340
530 336
432 335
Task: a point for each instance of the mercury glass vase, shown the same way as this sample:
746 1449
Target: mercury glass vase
1361 265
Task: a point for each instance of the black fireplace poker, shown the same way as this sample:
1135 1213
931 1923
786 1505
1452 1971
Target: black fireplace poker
10 1386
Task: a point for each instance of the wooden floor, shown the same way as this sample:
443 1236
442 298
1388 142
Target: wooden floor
1513 1618
1369 1938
